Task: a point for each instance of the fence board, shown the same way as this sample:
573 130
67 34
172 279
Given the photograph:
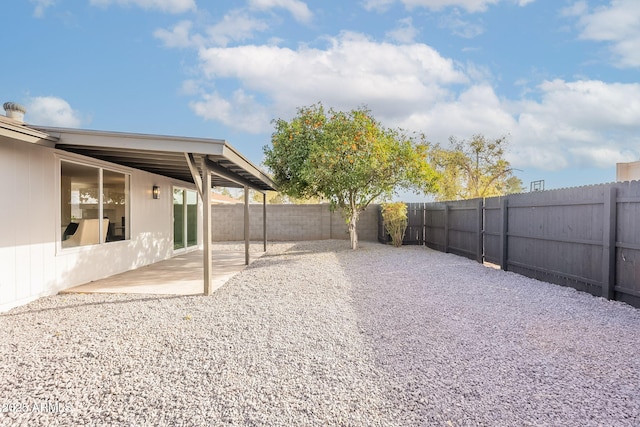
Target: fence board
415 224
557 236
463 228
492 230
585 237
383 236
627 257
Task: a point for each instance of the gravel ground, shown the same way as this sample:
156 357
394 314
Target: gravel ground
313 333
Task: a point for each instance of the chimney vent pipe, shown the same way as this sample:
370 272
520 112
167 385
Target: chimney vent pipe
15 111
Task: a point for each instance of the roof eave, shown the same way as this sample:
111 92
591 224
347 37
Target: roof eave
144 142
215 150
18 131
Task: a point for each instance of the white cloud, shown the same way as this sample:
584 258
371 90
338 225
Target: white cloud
298 9
41 6
476 110
179 36
352 70
379 5
190 87
169 6
589 104
602 157
405 32
52 111
617 24
235 26
468 5
578 8
577 123
574 124
239 112
459 26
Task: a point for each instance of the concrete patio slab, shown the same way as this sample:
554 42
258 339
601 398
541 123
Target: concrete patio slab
180 275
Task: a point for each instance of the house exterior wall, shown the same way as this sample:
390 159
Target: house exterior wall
32 262
289 223
628 171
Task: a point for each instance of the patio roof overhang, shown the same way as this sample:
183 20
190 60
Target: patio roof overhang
163 155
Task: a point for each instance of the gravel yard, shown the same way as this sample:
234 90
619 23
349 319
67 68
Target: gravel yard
313 333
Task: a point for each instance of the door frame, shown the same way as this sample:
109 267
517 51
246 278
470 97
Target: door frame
185 216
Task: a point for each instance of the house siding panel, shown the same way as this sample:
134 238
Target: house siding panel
31 262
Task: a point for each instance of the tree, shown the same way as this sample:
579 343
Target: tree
347 158
474 168
395 220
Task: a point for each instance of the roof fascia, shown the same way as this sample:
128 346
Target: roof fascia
143 142
172 144
231 176
234 156
24 133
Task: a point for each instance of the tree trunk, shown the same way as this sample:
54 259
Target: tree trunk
353 232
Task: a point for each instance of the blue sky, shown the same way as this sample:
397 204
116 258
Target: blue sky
560 77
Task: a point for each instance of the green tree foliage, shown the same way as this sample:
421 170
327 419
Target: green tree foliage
347 158
395 221
474 168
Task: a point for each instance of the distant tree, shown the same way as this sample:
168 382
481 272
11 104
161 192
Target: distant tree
514 185
347 158
234 193
474 168
276 197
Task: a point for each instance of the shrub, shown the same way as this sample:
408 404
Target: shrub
394 216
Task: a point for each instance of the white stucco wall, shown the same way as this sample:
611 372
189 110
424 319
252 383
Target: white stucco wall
32 263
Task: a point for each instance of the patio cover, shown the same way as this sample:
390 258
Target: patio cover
204 162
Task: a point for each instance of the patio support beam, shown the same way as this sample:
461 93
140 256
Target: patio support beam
264 220
202 179
191 162
206 227
246 225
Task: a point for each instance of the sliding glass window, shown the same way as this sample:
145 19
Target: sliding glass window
94 205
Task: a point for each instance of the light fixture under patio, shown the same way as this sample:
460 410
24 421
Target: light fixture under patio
156 192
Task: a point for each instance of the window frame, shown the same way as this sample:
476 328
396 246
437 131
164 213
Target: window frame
100 167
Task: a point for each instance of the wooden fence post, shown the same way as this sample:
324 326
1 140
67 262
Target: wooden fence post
480 247
609 244
424 224
446 228
504 238
264 220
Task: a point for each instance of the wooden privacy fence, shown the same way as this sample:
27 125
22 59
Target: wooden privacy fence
586 237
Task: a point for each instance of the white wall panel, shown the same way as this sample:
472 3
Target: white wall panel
8 215
32 263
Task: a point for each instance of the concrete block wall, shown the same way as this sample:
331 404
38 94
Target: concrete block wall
290 223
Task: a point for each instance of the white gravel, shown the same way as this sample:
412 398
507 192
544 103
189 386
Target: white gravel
313 333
